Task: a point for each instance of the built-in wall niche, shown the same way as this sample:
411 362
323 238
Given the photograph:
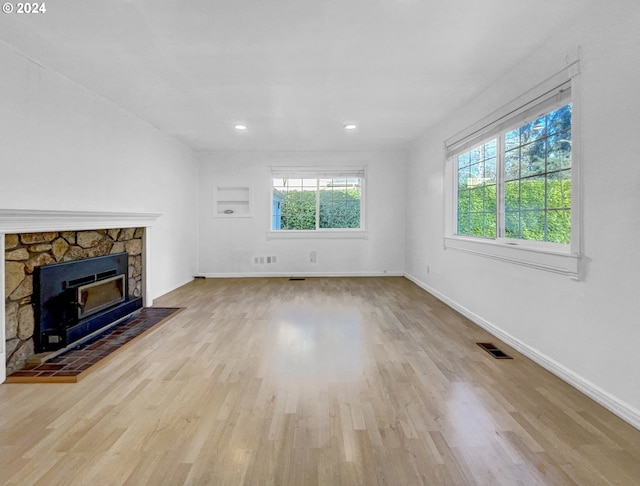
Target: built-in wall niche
232 202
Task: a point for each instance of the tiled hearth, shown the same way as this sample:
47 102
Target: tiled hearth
70 366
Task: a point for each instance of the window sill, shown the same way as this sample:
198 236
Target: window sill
317 235
564 263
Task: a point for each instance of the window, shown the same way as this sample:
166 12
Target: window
318 201
477 191
535 181
514 193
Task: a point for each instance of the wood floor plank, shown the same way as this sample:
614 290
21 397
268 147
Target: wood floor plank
325 381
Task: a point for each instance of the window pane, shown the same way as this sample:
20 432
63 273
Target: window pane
490 149
475 175
463 224
533 130
533 159
490 230
512 140
490 171
464 202
309 184
298 209
532 225
477 224
463 178
560 119
559 226
276 208
559 190
477 199
512 165
476 155
559 151
512 225
512 196
463 160
525 134
293 182
532 193
309 214
490 198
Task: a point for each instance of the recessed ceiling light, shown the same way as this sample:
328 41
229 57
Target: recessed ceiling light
240 126
350 126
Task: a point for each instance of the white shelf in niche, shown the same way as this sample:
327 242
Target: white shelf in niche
232 202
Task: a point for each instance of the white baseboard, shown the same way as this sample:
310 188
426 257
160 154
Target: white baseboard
302 274
620 408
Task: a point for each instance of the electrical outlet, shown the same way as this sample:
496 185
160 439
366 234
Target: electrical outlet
313 257
264 259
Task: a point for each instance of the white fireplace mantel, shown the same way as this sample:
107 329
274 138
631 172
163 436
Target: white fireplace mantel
35 221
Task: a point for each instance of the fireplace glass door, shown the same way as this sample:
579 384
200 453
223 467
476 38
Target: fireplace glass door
100 295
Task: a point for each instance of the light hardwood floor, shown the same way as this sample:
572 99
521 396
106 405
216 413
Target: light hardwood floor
326 381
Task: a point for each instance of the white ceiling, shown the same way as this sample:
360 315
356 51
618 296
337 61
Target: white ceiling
294 71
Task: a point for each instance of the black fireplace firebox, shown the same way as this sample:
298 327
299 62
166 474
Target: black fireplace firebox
73 300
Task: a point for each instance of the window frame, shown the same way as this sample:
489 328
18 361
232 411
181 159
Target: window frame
556 91
319 172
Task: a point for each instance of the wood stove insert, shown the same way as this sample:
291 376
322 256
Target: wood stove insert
73 300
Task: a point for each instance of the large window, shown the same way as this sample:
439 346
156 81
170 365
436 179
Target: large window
513 191
317 201
529 168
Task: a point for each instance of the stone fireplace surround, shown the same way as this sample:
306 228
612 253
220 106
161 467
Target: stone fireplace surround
104 227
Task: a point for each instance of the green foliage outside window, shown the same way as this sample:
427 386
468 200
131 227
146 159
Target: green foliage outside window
338 209
477 216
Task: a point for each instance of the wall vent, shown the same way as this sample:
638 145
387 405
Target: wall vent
494 351
297 278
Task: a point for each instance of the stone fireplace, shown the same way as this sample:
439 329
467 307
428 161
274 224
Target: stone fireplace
63 237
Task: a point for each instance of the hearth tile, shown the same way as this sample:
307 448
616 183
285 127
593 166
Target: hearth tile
66 367
26 373
50 367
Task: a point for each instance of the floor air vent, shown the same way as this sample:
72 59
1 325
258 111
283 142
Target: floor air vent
494 351
296 278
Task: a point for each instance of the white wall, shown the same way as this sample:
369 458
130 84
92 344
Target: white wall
587 330
228 245
64 148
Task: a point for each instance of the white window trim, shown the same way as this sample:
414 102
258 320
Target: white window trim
320 172
557 258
